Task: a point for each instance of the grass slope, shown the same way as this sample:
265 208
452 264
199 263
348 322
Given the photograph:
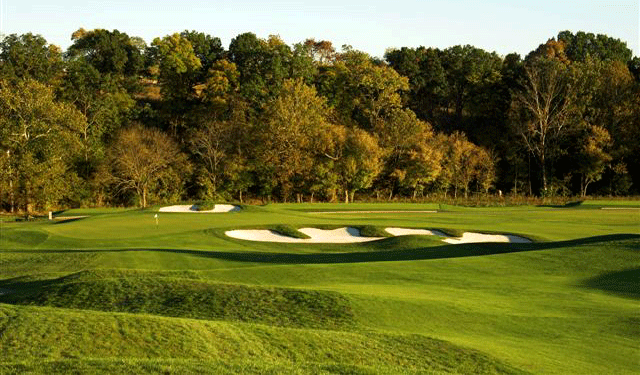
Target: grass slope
183 298
180 297
54 334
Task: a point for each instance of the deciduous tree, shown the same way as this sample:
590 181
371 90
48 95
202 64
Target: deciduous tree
110 52
361 162
287 134
29 56
543 110
147 162
38 137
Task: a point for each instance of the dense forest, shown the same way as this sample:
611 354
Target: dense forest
115 121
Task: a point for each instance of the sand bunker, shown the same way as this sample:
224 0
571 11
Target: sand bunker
194 208
340 235
351 235
467 237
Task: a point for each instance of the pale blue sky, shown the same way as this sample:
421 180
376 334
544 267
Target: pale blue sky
371 25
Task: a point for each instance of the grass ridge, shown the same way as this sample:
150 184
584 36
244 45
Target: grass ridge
188 298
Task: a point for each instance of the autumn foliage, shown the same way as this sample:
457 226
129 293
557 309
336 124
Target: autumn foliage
114 121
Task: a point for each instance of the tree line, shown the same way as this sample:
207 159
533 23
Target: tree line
114 121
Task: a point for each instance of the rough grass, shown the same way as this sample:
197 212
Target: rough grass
205 205
54 336
187 298
372 231
195 367
289 231
452 232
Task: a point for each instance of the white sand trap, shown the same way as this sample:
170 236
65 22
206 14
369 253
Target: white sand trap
340 235
408 232
351 235
469 237
194 208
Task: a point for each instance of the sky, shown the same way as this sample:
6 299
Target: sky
372 26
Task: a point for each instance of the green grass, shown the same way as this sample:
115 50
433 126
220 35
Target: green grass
372 231
58 334
197 367
205 205
114 293
289 231
22 237
148 293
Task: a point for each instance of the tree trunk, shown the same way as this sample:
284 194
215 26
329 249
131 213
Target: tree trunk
12 197
346 196
311 201
144 197
25 199
352 194
240 195
544 175
584 185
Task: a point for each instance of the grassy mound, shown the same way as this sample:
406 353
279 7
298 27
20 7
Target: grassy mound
409 243
29 238
136 366
372 231
187 298
289 231
96 339
205 205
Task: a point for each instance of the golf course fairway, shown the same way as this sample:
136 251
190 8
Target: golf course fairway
142 291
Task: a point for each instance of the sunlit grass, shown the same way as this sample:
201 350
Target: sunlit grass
114 293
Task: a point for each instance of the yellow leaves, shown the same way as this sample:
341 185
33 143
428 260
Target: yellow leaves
78 34
399 174
222 79
362 161
176 54
595 144
465 162
275 41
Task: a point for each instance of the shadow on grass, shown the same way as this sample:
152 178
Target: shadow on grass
624 283
21 285
380 254
567 205
64 220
